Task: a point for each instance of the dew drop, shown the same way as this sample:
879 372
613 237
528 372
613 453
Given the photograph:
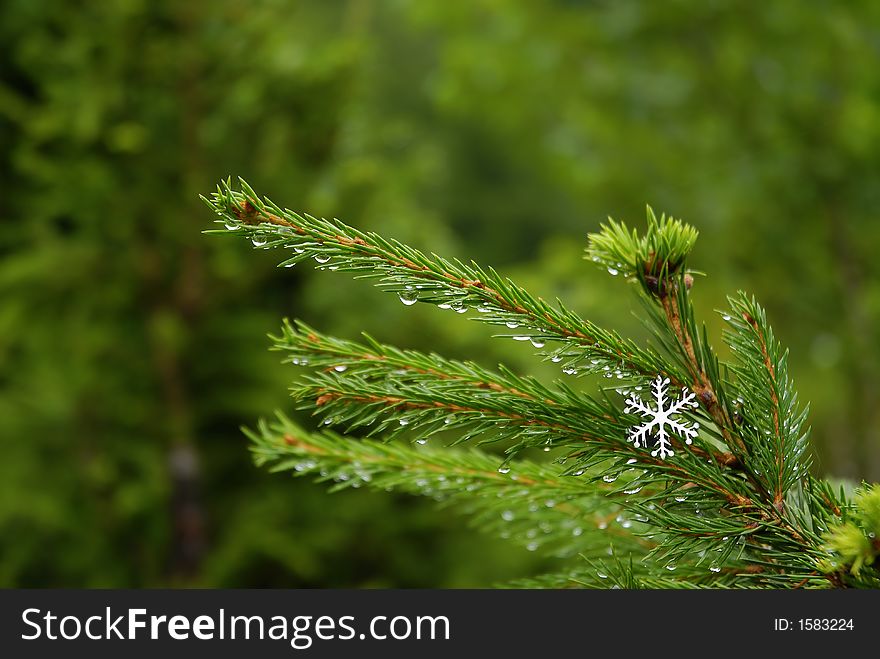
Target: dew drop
404 422
538 343
322 258
512 324
714 568
569 370
532 546
521 338
259 239
503 470
609 478
340 368
421 441
556 359
726 317
612 271
458 307
231 226
634 490
576 531
671 567
409 297
449 419
546 449
507 515
601 575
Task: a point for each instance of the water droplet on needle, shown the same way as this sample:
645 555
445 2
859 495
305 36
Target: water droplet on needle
409 297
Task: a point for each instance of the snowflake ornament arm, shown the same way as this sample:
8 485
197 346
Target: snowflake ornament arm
657 420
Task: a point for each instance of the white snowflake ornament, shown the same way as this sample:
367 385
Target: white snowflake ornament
658 419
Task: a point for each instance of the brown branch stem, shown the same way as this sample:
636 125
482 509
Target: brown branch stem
701 384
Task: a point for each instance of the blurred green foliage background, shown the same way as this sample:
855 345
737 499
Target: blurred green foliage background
132 347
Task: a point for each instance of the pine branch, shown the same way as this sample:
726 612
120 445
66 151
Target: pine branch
416 277
400 391
658 262
531 505
724 500
666 284
772 425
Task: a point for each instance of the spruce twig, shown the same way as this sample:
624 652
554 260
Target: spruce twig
737 507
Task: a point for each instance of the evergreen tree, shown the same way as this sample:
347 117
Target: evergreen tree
684 471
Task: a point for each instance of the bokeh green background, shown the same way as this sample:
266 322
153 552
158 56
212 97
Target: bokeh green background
132 347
